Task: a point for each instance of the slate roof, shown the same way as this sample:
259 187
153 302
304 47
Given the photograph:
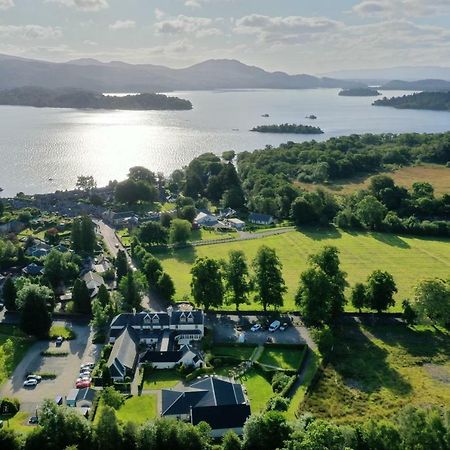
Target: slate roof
124 353
170 356
260 218
86 394
219 402
195 316
149 318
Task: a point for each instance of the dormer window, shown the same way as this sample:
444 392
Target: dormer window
155 319
190 318
183 317
147 319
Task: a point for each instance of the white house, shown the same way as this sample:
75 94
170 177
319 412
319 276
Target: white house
237 224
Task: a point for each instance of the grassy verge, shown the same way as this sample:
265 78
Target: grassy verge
63 331
13 346
283 358
239 352
19 422
161 379
376 370
408 259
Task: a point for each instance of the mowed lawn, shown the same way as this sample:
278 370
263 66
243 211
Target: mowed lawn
376 370
161 379
283 358
408 258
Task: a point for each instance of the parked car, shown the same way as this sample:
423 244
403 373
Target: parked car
255 327
85 373
284 325
274 326
59 341
82 384
38 378
30 383
33 420
88 365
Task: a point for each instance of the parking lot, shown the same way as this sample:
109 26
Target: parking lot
65 368
227 328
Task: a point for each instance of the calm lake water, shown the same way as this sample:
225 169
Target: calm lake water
42 150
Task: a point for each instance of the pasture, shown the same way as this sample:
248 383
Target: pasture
407 258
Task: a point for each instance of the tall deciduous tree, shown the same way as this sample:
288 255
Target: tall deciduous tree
358 296
237 279
9 295
380 290
132 288
109 433
432 300
180 231
206 285
165 286
153 233
269 282
81 297
35 309
121 264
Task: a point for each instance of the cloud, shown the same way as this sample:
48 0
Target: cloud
123 25
29 32
284 29
199 26
401 8
200 3
159 14
83 5
6 4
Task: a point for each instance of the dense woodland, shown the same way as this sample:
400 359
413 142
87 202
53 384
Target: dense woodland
76 98
438 101
288 128
359 92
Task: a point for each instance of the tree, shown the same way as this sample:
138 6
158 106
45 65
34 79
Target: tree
112 398
131 192
314 296
153 233
188 213
86 183
380 290
303 212
109 435
165 286
409 313
432 300
9 294
152 269
237 279
121 264
35 314
10 439
81 297
139 173
265 431
231 441
269 282
228 155
358 296
103 296
371 212
76 237
132 287
328 260
59 267
83 235
206 285
180 231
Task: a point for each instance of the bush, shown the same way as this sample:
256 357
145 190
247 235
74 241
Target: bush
200 371
279 382
9 406
111 397
277 403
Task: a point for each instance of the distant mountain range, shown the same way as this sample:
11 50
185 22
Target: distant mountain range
420 85
117 76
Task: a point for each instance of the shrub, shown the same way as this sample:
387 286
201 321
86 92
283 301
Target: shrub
112 398
279 381
10 406
277 403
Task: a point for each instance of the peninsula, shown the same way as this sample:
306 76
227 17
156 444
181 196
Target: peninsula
437 101
359 92
288 128
82 99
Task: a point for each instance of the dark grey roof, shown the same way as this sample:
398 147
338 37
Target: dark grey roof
86 394
257 217
187 317
158 318
220 403
165 356
124 351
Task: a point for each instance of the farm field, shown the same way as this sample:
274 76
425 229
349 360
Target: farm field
408 258
376 370
437 175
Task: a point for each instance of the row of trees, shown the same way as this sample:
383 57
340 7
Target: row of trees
214 282
63 428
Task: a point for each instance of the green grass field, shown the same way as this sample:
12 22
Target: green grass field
242 352
376 370
408 258
161 379
13 346
283 358
18 422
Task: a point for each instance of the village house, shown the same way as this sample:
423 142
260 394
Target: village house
164 337
261 219
218 401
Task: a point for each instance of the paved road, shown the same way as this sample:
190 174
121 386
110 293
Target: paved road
150 301
66 368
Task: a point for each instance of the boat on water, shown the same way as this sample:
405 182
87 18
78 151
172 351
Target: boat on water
1 189
265 115
311 116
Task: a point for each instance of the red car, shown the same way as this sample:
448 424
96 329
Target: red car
83 384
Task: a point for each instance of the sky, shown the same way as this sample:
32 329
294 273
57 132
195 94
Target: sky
296 36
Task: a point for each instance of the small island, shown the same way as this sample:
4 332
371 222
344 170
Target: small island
436 101
80 99
359 92
288 128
